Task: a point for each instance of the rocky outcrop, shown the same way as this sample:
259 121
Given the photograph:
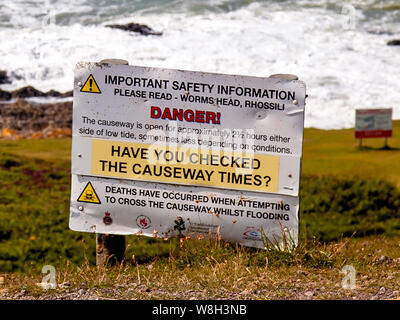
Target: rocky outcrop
135 27
30 92
22 119
26 120
395 42
27 92
380 32
5 95
56 94
3 77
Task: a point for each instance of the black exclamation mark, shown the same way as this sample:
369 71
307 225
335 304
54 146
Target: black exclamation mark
90 84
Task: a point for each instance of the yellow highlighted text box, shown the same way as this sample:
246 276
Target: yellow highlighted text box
185 165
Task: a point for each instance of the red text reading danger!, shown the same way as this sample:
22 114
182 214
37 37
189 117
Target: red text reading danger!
188 115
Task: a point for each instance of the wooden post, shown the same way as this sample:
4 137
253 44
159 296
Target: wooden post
385 144
110 248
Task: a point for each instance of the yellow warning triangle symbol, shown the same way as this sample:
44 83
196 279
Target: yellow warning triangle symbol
91 85
89 195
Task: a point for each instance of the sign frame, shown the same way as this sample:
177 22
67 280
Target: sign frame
84 140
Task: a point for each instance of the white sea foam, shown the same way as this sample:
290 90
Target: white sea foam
345 64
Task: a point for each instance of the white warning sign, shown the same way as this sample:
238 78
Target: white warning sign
199 133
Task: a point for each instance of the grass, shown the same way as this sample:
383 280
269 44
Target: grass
332 206
230 272
53 150
336 152
349 196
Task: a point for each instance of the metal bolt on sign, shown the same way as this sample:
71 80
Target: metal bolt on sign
110 248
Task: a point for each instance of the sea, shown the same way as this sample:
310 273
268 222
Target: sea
338 48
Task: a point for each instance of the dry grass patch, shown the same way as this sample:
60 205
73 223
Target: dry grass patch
220 271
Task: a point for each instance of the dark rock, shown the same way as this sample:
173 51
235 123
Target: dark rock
3 77
135 27
380 32
81 291
57 94
5 95
383 259
67 94
65 284
395 42
27 92
53 93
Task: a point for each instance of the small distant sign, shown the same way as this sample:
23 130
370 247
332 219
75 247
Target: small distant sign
373 123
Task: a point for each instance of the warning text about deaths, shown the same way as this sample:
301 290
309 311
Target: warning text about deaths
177 202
